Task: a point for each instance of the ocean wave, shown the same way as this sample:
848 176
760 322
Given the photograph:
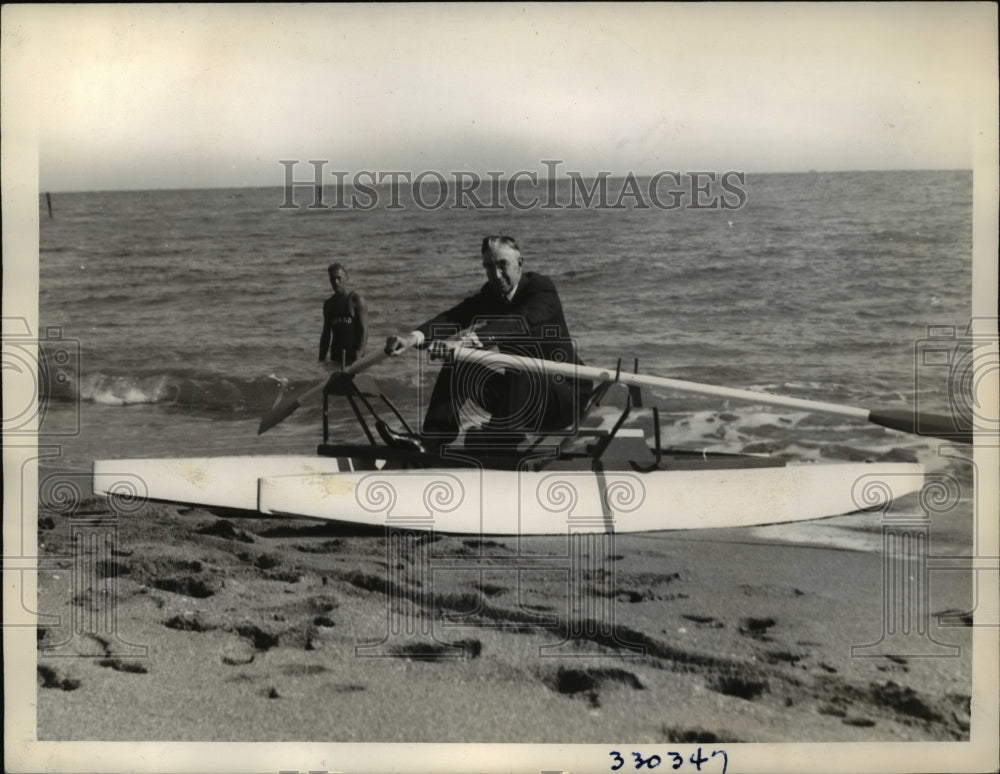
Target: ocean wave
196 393
201 393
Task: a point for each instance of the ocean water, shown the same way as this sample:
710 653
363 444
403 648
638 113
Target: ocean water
180 311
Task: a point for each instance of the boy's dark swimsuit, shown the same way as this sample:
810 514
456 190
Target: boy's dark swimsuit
341 338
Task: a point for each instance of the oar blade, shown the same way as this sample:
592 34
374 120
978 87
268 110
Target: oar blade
278 413
282 409
942 426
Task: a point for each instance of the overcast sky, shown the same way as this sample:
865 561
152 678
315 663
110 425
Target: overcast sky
196 96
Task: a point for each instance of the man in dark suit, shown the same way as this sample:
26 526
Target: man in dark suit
521 313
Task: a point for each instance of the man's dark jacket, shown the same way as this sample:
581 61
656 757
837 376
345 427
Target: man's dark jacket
531 324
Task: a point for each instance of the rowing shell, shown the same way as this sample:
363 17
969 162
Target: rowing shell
510 502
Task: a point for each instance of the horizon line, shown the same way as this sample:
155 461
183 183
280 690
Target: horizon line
333 183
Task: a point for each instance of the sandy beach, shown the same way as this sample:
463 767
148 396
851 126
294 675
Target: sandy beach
180 624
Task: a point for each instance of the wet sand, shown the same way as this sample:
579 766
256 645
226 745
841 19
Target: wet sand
180 624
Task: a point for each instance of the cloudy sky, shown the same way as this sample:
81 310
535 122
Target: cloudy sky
124 97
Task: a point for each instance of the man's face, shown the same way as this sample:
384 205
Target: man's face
338 278
503 269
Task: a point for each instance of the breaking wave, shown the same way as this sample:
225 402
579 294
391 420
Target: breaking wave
197 393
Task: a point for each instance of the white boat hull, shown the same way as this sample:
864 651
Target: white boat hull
498 502
470 501
223 482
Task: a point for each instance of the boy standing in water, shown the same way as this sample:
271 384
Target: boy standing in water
345 321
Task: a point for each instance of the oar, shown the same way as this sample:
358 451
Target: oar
937 425
284 408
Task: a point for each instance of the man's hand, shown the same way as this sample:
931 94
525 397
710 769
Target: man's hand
443 350
396 345
471 340
440 350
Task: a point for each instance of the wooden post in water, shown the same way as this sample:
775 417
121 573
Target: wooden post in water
48 202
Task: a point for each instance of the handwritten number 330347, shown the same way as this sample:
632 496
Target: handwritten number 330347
697 759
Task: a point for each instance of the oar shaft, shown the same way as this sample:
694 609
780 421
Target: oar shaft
747 395
642 380
283 409
354 368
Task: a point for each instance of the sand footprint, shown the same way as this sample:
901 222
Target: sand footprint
226 530
120 665
586 682
189 622
326 547
697 736
742 685
435 651
703 621
757 628
50 678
